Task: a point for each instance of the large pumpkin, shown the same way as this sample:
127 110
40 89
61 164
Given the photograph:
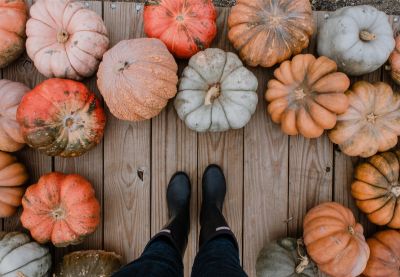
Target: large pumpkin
60 208
267 32
61 118
359 39
394 60
216 92
13 16
20 257
335 241
372 121
11 93
307 95
185 26
65 39
137 77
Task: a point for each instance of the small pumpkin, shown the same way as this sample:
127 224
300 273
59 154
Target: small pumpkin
268 32
359 39
19 256
61 118
216 92
285 257
65 39
394 61
335 241
307 95
61 208
13 16
11 93
137 77
185 26
372 121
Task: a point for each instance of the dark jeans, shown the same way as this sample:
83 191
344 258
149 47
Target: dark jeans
217 258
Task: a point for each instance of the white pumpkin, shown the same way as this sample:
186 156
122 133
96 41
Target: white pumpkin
360 39
19 256
216 92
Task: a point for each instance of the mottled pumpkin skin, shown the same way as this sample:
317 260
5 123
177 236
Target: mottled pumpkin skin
185 26
394 60
61 118
60 208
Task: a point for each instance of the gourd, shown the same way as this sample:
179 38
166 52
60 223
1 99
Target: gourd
137 77
61 118
394 61
185 26
268 32
65 40
216 92
306 95
60 208
359 39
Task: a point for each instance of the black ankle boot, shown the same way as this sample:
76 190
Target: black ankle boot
212 221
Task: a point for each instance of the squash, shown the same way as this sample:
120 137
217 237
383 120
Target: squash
359 39
60 208
267 32
185 26
137 77
65 40
61 118
90 263
335 241
371 123
13 16
216 92
11 93
307 95
285 257
394 61
19 256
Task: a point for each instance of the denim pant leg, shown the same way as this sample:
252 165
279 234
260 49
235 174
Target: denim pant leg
159 259
218 258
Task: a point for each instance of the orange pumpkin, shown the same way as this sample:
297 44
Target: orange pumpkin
13 16
307 95
394 61
60 208
335 241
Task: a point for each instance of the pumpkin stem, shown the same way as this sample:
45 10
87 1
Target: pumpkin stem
304 260
20 274
62 36
367 36
299 93
351 230
395 190
371 117
213 93
58 213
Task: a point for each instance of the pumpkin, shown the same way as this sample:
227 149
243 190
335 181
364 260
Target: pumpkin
285 257
61 118
216 92
13 16
359 39
267 32
137 77
60 208
11 93
394 61
19 256
371 123
307 95
335 241
65 39
90 263
185 26
384 260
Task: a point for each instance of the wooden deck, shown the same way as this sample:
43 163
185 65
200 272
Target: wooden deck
272 179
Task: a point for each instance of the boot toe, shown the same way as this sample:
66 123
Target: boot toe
214 185
179 190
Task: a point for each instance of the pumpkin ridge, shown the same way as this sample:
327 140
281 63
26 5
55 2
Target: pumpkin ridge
161 65
67 54
379 169
240 47
34 260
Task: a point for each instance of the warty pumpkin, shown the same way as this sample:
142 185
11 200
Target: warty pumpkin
335 241
185 26
65 40
60 208
137 77
394 61
267 32
307 95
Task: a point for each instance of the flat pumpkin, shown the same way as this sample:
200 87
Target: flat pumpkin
394 61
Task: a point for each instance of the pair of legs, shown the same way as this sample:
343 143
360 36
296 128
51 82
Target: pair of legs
218 255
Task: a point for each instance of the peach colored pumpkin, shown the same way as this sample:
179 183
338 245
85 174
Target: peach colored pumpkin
65 40
394 61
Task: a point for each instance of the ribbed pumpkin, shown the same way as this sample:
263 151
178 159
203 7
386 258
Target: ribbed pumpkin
185 26
13 16
335 241
394 60
60 208
307 95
